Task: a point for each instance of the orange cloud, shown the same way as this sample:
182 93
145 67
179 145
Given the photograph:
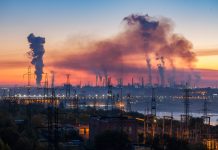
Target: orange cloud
6 64
207 52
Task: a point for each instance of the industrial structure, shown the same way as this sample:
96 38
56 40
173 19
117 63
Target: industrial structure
99 124
187 129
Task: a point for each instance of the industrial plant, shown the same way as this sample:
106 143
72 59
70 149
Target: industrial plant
149 104
152 115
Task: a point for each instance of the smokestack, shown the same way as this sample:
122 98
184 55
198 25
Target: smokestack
36 53
119 82
103 83
172 77
101 80
96 84
142 81
161 73
80 84
52 79
142 35
161 70
189 80
149 71
106 80
197 79
132 81
109 83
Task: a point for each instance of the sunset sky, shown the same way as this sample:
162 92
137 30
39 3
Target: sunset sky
68 25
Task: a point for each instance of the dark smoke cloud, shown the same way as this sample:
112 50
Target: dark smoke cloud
36 53
142 35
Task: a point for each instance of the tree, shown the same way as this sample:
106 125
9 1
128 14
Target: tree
112 140
37 121
4 146
174 143
9 136
6 120
24 144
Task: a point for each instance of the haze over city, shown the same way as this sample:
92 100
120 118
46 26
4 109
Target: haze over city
91 38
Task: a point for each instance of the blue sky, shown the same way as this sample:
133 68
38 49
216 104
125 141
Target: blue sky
195 19
59 20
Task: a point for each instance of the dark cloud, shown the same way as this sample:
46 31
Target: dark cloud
142 35
36 53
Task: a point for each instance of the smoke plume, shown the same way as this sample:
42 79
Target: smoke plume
142 35
149 71
161 70
36 53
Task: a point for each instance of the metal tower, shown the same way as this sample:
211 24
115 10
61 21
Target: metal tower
53 137
28 74
143 82
76 107
46 86
109 95
186 105
121 100
153 103
28 86
206 119
128 105
205 108
132 82
68 86
185 117
153 114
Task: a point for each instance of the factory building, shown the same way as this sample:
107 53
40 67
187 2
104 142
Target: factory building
97 125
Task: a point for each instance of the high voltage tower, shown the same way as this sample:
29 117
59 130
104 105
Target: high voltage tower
153 103
150 119
28 87
153 113
206 118
186 106
68 86
205 112
205 109
46 90
109 95
28 74
121 98
128 104
185 117
53 137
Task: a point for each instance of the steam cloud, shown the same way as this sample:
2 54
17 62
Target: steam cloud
36 53
142 35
